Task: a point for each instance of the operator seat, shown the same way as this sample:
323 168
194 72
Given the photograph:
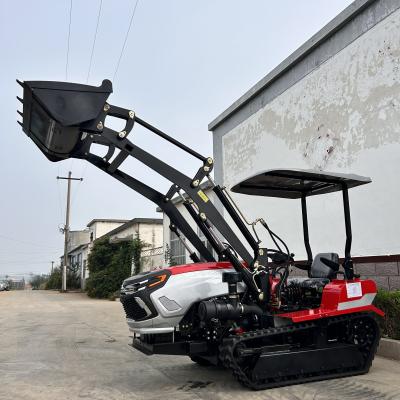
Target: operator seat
320 274
319 269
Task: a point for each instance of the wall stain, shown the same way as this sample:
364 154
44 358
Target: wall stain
348 104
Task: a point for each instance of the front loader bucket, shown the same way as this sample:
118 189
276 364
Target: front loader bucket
56 113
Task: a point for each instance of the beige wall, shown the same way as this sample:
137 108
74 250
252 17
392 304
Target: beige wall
100 228
150 233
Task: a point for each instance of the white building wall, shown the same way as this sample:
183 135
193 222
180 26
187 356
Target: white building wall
152 234
344 116
100 228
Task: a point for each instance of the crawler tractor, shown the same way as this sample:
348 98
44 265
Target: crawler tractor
237 305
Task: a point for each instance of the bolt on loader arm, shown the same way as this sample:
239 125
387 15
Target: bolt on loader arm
65 119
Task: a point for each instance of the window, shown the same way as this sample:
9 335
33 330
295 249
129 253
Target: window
205 242
178 253
79 260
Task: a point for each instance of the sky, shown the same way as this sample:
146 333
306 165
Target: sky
184 63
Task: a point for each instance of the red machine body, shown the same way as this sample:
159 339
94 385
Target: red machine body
338 297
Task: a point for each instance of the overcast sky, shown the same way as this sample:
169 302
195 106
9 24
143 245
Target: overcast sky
184 63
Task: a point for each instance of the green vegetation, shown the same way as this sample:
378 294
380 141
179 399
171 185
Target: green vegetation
39 281
389 302
110 263
53 281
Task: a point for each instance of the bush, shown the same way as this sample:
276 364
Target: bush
109 264
389 303
54 280
39 281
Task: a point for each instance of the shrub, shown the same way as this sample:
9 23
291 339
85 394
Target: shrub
54 281
109 264
389 303
39 281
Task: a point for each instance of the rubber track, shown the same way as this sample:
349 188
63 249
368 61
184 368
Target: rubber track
227 351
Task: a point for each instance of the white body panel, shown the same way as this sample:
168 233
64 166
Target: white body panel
183 289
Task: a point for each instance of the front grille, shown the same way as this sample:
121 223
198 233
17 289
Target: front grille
132 308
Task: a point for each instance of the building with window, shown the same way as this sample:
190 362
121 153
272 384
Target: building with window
150 231
81 242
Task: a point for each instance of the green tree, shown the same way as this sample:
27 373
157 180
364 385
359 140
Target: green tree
109 264
54 280
39 281
101 254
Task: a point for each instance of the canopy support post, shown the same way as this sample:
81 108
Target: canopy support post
348 262
305 229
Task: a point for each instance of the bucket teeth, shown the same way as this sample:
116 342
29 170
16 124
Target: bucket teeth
19 98
20 83
22 125
20 113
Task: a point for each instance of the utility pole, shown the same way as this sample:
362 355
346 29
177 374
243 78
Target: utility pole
66 230
52 263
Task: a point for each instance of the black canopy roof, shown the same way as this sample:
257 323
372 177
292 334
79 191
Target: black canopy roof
292 183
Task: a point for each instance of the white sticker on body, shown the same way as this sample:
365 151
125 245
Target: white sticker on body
353 289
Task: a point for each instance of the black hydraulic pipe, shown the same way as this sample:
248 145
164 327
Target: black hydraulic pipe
236 218
169 138
305 228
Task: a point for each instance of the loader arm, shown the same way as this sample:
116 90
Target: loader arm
65 120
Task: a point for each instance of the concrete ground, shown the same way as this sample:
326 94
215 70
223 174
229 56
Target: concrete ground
66 346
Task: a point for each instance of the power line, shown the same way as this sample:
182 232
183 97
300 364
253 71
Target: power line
94 41
69 36
126 38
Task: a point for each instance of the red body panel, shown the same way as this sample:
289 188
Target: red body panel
336 301
335 297
181 269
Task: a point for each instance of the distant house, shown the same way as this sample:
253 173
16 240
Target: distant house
81 242
175 252
16 283
150 230
99 227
